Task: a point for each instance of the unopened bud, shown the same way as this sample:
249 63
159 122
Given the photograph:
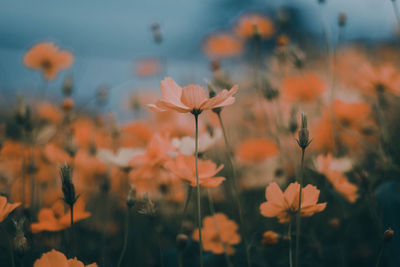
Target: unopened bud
342 19
68 187
215 65
67 86
270 238
388 235
181 241
68 104
20 242
131 197
303 137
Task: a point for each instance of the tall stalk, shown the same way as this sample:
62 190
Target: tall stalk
126 235
298 216
196 117
235 191
290 243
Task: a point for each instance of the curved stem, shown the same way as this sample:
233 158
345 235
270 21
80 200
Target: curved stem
381 250
125 245
290 244
235 191
298 216
196 116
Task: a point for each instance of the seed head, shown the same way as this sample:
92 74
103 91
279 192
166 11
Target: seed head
68 187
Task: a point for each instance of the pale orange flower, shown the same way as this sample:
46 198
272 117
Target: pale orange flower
326 166
50 113
6 208
192 98
222 45
303 88
284 205
57 219
218 232
252 24
47 58
55 258
148 67
256 150
184 167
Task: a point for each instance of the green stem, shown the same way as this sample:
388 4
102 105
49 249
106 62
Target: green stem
180 259
212 210
185 208
381 250
72 230
196 116
290 244
298 216
126 235
235 191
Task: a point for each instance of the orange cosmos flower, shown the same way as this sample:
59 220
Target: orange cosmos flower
255 150
49 112
222 45
218 232
184 167
6 208
328 166
192 98
284 205
57 219
55 258
252 24
47 58
384 78
148 67
303 88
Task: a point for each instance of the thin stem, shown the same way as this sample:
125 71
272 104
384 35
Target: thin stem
72 229
381 250
185 208
298 216
196 116
290 244
180 259
235 191
126 235
212 210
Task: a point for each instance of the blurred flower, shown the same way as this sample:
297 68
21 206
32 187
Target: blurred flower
121 158
184 167
186 144
254 25
328 166
285 205
270 238
303 88
222 45
50 113
148 67
191 98
256 150
6 208
218 233
47 58
57 259
55 219
68 104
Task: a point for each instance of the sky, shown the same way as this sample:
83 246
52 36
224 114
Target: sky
107 37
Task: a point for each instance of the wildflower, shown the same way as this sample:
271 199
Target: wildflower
6 208
270 238
329 167
191 98
219 233
50 113
184 167
55 258
222 45
255 150
186 144
47 58
55 219
284 205
255 25
303 88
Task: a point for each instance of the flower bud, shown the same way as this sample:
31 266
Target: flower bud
148 207
388 235
270 238
68 187
20 242
303 136
181 241
68 104
67 86
342 19
131 197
